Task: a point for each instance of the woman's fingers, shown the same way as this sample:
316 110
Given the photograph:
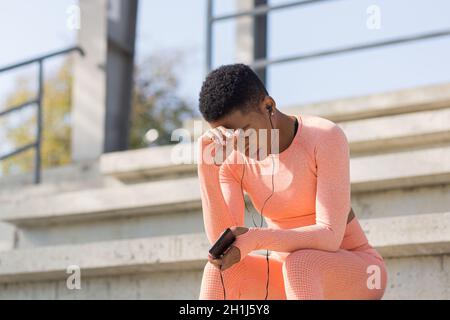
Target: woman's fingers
223 134
215 261
219 134
228 133
238 230
214 135
224 137
229 258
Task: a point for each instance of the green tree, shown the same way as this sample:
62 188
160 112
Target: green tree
56 107
156 105
156 102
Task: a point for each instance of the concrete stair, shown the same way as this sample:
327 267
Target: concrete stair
136 229
157 205
397 238
76 176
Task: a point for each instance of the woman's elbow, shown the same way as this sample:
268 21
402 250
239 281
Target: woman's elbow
332 246
333 241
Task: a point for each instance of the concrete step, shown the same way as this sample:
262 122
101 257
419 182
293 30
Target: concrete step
366 205
71 177
145 198
366 137
401 202
172 206
403 169
67 178
412 168
398 132
176 252
425 98
106 265
423 234
163 162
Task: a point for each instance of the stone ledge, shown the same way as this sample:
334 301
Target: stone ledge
410 168
382 104
398 132
148 162
147 198
66 178
387 171
418 235
167 253
415 235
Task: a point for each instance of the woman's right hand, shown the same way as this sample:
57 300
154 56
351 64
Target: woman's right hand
217 139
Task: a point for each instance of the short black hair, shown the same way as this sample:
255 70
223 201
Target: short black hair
230 87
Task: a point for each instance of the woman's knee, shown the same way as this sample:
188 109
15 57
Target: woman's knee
210 272
231 273
211 268
211 287
215 281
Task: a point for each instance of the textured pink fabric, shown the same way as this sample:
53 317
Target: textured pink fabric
315 253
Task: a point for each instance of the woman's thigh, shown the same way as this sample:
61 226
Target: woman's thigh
342 274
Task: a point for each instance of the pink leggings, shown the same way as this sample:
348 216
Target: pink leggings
303 274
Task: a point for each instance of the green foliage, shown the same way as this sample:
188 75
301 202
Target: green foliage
156 104
56 123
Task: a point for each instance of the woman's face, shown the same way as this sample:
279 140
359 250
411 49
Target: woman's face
255 133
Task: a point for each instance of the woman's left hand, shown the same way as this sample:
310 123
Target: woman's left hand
232 255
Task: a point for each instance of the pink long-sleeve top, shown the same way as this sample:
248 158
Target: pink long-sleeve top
311 200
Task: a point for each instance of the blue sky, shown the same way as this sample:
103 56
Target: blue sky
307 29
30 28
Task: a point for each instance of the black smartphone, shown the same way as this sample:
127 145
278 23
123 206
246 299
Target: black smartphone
222 244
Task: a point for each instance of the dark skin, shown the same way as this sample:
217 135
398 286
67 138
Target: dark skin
255 119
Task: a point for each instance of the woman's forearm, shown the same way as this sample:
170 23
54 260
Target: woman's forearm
290 240
222 202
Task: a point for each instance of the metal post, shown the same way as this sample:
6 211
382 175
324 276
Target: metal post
37 155
121 34
209 35
260 38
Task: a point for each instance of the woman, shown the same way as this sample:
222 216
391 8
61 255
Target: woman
318 248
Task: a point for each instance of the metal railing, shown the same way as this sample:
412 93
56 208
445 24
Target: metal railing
36 101
261 64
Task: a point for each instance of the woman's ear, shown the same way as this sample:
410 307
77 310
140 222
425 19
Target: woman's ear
267 106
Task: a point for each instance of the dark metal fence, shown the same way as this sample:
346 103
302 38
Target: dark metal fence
261 8
36 145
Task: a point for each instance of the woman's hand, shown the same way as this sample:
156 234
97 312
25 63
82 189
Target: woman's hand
232 255
213 139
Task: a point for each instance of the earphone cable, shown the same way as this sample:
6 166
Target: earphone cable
223 286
